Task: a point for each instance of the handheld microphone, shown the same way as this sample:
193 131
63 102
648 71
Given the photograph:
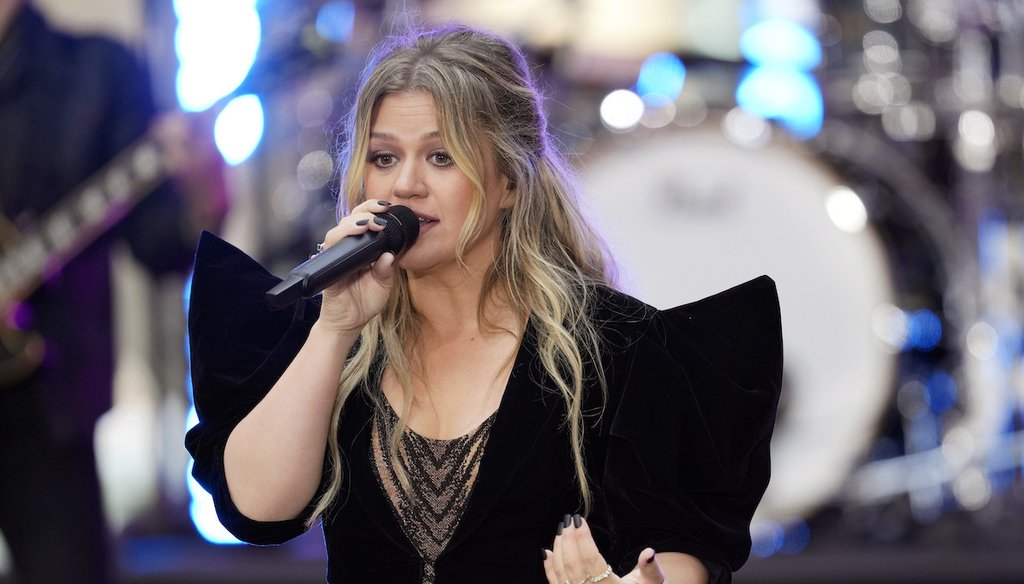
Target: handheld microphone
352 253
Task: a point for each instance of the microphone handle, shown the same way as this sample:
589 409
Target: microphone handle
351 253
320 271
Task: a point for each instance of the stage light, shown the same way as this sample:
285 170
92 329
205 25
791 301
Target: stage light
621 110
779 85
239 128
661 74
659 111
972 489
912 121
846 210
891 325
201 509
746 129
982 340
767 538
216 44
883 11
788 96
779 42
940 392
315 169
335 20
797 536
924 330
976 128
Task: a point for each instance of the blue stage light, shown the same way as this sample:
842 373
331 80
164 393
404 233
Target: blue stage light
216 44
661 74
779 86
924 330
335 20
797 536
239 128
779 42
788 96
767 538
940 392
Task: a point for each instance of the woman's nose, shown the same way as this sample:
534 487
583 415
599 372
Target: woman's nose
409 181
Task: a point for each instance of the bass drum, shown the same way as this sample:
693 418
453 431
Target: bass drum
689 212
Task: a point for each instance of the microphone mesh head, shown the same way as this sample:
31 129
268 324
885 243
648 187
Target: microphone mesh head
402 229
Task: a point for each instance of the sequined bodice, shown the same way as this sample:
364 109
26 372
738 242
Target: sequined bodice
441 475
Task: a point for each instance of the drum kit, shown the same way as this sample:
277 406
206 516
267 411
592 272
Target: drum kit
894 235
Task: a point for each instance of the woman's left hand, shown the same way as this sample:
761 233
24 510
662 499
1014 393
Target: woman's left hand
575 559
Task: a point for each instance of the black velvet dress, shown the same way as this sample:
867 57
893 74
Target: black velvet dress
677 454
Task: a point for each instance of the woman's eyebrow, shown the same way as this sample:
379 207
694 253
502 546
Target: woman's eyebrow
389 137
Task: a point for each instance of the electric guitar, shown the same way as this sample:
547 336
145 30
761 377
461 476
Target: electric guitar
60 234
286 55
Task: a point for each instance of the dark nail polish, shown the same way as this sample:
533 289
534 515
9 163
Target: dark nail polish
567 520
561 526
380 221
543 555
362 222
651 559
577 520
384 203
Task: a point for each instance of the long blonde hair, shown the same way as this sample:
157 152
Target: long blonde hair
548 259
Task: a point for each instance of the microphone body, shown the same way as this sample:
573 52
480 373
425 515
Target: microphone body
352 253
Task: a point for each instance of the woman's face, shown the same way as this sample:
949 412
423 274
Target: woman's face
409 164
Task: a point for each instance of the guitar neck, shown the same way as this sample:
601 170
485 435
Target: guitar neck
80 218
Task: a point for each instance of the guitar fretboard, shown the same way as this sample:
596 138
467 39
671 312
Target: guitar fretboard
80 218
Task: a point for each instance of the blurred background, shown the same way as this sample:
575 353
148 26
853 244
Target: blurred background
866 154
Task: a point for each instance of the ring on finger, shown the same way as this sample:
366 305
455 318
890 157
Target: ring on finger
607 572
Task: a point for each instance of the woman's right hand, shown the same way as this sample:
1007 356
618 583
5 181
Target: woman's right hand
352 301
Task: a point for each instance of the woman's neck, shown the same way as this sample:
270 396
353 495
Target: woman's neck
453 312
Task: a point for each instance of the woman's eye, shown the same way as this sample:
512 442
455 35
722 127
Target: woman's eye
383 159
441 159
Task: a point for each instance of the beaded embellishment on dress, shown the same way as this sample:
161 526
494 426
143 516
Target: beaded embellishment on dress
441 473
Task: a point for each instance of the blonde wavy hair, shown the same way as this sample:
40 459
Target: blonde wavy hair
548 259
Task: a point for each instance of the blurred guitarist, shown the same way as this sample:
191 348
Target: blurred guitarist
67 106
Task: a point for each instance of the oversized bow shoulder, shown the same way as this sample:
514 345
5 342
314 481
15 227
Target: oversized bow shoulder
688 455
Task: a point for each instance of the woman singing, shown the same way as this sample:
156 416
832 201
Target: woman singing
483 407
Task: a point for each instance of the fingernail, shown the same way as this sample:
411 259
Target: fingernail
543 555
380 221
560 527
362 222
577 520
651 559
384 203
567 520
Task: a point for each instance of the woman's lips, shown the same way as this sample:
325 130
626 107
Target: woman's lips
426 223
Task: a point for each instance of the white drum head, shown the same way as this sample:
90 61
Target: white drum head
688 213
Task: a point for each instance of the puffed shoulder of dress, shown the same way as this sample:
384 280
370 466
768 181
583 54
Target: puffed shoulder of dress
238 348
688 448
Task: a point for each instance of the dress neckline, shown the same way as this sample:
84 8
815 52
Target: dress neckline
392 417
